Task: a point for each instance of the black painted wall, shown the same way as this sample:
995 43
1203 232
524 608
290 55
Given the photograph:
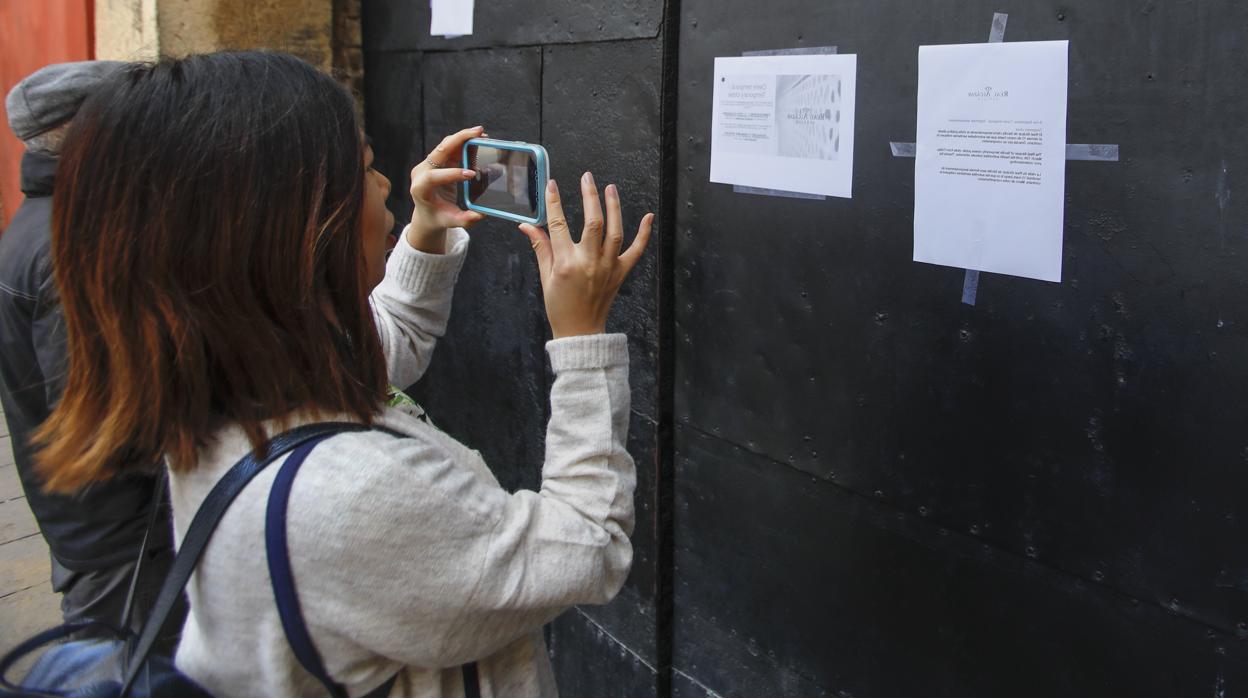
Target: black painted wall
882 492
850 484
585 82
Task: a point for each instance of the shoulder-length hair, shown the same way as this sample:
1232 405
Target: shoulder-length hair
208 252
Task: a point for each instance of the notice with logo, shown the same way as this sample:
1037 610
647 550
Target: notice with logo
785 122
990 173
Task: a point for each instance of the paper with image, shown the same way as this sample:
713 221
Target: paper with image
990 168
785 122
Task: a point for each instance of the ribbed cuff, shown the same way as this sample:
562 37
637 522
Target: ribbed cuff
588 351
418 271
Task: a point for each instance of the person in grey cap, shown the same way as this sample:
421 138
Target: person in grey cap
94 537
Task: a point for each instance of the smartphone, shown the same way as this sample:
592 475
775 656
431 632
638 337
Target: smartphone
511 179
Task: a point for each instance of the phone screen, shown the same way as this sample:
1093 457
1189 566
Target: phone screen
506 179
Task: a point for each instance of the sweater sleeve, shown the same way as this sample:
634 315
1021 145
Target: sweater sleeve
413 302
434 564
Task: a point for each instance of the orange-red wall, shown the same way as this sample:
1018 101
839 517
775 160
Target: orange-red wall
35 33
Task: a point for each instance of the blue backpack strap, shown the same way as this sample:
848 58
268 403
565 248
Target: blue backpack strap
202 526
472 682
283 580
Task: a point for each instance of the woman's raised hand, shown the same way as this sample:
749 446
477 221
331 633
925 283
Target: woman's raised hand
580 280
434 184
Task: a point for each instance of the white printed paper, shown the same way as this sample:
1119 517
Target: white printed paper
990 168
450 18
785 122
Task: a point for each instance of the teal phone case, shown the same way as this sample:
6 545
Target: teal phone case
541 175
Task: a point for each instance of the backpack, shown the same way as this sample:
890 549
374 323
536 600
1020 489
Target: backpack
121 664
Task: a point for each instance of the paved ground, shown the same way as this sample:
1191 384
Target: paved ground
27 602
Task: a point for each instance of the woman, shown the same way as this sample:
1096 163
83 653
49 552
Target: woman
220 251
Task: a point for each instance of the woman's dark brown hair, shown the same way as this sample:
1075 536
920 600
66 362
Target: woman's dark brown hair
207 249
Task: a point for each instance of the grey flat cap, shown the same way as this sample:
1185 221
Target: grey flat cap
51 95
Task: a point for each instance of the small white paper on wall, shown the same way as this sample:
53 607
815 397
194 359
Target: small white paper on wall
450 18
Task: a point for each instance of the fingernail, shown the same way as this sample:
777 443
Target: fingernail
611 190
588 179
478 128
552 187
470 173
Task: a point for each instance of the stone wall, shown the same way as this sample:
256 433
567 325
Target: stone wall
326 33
145 29
348 47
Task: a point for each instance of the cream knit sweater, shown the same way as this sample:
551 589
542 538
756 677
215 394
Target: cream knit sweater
408 556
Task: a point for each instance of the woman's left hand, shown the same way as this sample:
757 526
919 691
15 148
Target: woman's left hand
435 182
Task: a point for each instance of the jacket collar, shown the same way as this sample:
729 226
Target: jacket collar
38 170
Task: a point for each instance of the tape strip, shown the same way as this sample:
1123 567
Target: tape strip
970 287
997 35
970 282
803 51
776 192
903 150
1099 152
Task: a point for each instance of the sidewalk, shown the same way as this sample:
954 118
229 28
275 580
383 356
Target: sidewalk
27 602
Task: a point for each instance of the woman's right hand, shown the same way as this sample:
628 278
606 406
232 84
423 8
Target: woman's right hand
580 280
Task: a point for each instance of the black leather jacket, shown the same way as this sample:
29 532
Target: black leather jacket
103 525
